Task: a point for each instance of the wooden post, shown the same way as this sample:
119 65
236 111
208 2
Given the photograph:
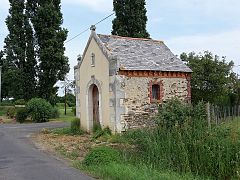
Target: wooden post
208 114
65 101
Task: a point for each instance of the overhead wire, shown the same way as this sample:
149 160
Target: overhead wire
88 28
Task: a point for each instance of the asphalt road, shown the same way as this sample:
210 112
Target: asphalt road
21 160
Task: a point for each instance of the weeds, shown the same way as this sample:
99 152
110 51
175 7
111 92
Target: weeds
186 145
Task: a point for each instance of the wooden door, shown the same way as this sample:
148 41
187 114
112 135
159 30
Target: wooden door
95 98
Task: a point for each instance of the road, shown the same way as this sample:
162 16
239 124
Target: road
21 160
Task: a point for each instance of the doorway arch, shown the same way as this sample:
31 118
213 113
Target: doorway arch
93 104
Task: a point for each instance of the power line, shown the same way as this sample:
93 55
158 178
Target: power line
88 28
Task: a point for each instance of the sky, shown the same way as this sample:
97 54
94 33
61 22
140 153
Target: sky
184 25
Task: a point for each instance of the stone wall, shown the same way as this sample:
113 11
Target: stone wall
140 111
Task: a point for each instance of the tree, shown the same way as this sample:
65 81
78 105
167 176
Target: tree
47 19
130 18
19 74
34 49
67 85
212 77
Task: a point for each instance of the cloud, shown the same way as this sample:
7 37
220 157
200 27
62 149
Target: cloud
95 5
223 44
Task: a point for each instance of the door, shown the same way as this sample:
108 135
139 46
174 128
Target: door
95 99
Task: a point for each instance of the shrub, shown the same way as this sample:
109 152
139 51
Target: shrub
75 124
101 156
21 115
55 113
173 113
39 110
11 112
20 102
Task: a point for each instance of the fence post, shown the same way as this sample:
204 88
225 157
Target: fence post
208 114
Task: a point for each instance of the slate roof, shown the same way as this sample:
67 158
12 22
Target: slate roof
142 54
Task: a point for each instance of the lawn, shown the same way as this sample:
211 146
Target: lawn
62 117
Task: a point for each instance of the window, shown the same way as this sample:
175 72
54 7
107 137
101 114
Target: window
155 92
93 59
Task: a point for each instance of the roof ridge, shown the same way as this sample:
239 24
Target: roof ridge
132 38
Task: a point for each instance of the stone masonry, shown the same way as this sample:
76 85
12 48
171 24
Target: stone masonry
140 111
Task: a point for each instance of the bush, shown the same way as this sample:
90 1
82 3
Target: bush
11 112
39 110
75 124
55 113
173 113
20 102
21 115
101 156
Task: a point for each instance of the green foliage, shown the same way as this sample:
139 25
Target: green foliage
34 50
117 171
101 156
21 115
39 110
75 125
55 113
6 103
102 132
11 112
74 110
130 18
19 64
20 102
96 127
68 131
173 113
187 148
71 100
53 65
3 110
212 78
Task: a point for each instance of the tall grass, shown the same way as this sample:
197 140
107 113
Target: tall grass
183 143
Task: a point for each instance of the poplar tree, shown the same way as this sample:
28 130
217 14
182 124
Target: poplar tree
131 19
19 65
47 19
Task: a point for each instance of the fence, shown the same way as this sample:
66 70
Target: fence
219 114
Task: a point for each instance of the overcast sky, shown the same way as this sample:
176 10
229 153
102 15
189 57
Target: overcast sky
184 25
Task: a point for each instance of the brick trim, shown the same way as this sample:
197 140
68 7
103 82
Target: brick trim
158 74
161 93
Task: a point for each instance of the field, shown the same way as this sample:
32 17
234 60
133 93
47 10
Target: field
62 117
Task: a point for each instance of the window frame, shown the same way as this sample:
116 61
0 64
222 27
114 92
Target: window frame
151 86
93 60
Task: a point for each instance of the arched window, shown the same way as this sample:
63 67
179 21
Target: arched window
155 92
93 59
